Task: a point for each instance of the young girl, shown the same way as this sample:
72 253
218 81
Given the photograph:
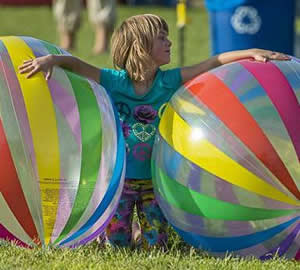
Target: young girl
140 90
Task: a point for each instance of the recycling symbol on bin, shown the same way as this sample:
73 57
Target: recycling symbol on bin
246 20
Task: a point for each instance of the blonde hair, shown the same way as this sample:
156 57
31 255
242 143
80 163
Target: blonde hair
132 44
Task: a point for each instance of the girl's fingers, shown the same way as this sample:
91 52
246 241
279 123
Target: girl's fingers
27 61
27 69
269 55
49 74
32 72
24 66
284 56
279 56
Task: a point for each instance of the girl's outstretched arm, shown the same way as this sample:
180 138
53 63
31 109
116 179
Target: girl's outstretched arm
190 72
46 64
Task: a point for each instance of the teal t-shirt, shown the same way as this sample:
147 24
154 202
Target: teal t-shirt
139 114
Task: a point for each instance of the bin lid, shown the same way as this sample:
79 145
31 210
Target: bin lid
215 5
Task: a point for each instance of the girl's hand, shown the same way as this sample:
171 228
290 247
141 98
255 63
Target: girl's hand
265 55
33 66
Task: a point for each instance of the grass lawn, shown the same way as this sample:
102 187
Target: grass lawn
179 256
38 22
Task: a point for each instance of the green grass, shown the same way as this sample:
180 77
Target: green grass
93 257
38 23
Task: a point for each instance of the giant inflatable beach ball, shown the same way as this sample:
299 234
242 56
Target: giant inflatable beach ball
226 160
61 152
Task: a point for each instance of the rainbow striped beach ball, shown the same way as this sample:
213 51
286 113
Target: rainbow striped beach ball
225 162
62 152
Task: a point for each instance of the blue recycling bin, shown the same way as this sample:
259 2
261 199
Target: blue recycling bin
244 24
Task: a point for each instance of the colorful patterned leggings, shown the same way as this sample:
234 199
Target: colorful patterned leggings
139 193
